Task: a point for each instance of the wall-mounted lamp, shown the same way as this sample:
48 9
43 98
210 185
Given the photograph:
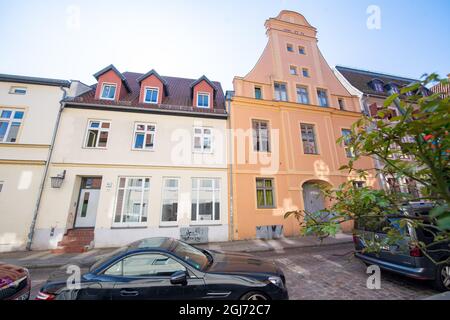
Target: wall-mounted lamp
58 180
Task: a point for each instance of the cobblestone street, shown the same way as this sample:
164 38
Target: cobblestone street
317 273
333 273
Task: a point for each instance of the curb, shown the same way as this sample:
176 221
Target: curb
308 246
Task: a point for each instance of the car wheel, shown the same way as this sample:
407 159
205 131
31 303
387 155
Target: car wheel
254 296
442 282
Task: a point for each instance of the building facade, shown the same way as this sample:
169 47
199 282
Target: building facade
136 156
373 88
29 110
287 114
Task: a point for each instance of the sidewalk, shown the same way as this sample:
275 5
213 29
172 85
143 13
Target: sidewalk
46 259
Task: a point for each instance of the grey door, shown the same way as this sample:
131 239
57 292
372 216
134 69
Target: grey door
313 198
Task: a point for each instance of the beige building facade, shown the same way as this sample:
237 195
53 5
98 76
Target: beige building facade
29 110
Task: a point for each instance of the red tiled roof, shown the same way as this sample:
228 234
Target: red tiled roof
179 96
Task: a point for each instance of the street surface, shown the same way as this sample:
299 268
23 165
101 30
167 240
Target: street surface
328 272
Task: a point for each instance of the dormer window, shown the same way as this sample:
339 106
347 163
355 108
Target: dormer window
203 100
108 91
151 95
394 88
377 86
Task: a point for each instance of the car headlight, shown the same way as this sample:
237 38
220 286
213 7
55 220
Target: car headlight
277 281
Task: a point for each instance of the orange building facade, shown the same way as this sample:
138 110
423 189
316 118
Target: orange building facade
286 115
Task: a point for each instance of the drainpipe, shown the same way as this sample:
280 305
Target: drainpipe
230 156
44 177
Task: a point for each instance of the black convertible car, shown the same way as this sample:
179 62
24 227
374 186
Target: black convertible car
164 268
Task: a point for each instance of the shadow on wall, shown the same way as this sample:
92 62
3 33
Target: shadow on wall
10 241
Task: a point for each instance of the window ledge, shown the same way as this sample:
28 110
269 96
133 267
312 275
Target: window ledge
168 225
205 224
117 227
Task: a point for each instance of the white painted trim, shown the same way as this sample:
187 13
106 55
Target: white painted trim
145 95
145 132
103 88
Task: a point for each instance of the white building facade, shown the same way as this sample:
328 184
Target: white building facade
136 156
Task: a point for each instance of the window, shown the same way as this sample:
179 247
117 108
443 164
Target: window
301 50
377 86
293 70
341 104
170 200
302 95
394 185
280 92
97 135
18 90
10 122
308 139
261 142
358 184
132 201
264 193
144 136
412 188
108 91
151 95
203 100
205 199
322 97
145 265
305 72
1 185
349 152
394 88
258 93
290 47
202 140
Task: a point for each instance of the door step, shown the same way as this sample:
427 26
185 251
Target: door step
75 241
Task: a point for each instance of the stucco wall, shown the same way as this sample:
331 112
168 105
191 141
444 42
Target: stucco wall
22 162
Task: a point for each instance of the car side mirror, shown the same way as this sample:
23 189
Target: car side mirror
179 277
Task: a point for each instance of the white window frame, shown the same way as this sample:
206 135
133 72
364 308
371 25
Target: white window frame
11 120
197 194
299 87
145 95
209 100
100 129
125 188
312 128
177 189
14 89
326 97
281 92
145 132
293 70
258 136
349 151
104 84
202 136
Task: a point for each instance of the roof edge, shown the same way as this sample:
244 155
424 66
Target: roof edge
34 80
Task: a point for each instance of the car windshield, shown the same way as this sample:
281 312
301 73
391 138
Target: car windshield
195 257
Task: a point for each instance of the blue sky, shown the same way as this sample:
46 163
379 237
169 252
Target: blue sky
74 39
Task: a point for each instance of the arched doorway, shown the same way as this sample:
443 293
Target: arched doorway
313 198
